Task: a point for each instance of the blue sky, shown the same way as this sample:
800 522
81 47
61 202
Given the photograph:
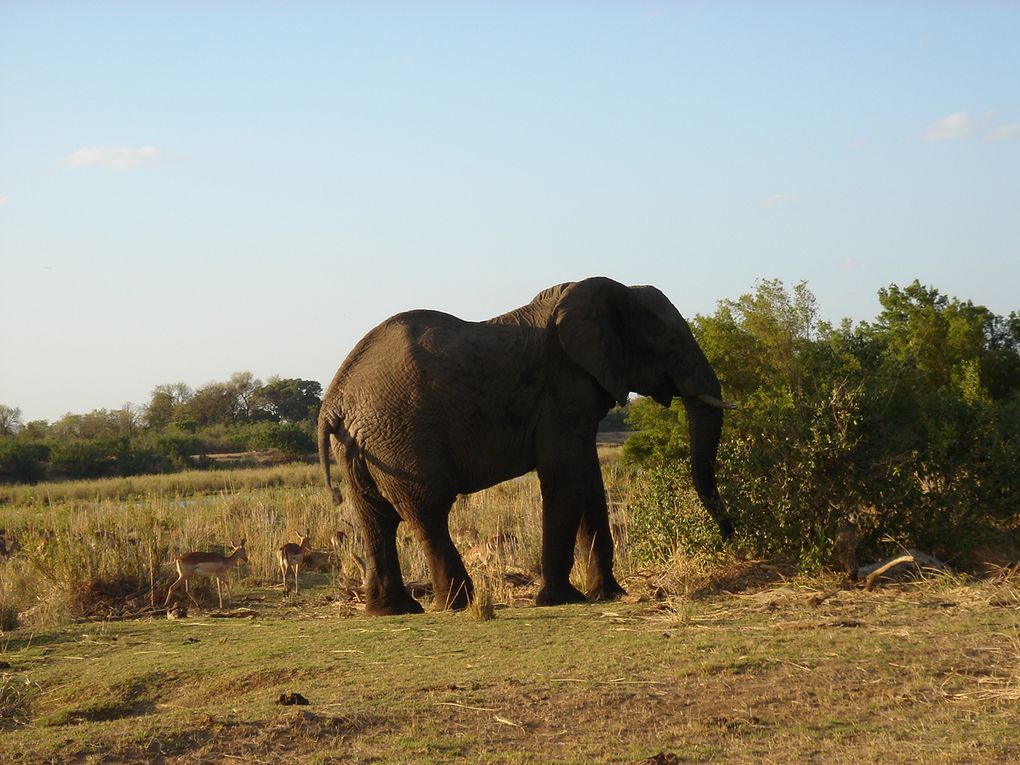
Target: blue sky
190 190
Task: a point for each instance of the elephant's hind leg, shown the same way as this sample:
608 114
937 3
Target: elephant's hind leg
384 586
451 585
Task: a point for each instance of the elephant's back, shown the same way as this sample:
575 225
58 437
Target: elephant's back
397 346
398 379
435 394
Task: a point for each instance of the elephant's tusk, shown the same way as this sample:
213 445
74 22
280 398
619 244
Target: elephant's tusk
713 401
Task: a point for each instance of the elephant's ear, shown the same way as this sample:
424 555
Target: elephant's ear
589 324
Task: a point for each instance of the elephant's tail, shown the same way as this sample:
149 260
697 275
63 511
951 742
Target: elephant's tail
329 425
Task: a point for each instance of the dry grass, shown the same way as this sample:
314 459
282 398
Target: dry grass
188 483
105 549
482 607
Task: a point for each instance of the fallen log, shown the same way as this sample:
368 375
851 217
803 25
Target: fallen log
923 561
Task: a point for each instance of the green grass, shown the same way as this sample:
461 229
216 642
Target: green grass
732 682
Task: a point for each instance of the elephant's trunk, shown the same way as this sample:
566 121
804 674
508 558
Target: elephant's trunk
704 422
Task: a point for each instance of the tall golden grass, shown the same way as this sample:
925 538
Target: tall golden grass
186 483
88 548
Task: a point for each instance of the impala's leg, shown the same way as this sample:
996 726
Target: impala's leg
187 590
297 583
219 591
173 587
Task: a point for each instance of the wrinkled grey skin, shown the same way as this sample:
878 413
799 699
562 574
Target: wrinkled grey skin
428 406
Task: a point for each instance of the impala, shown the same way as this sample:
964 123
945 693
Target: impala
206 564
9 545
290 557
338 541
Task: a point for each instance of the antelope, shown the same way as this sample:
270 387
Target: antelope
206 564
338 541
8 544
290 557
493 549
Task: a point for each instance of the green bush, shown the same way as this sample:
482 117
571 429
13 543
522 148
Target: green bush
665 515
848 441
178 448
789 471
22 460
81 459
291 439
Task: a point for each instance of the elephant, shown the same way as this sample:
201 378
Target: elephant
428 406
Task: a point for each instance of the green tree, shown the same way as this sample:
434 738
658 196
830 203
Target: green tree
36 430
98 423
1000 364
212 404
289 400
243 389
166 404
10 420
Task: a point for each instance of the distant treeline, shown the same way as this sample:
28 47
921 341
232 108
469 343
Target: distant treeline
848 439
179 428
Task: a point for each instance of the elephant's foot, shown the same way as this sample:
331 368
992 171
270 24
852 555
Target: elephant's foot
455 598
557 596
393 606
607 589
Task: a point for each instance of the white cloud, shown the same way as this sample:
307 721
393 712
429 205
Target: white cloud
1002 133
3 200
778 200
958 125
857 144
112 156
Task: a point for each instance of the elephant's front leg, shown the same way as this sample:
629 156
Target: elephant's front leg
596 544
452 587
566 483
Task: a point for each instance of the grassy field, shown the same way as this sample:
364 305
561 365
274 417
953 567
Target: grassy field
712 661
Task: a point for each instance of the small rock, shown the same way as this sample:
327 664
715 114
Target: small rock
662 758
290 699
